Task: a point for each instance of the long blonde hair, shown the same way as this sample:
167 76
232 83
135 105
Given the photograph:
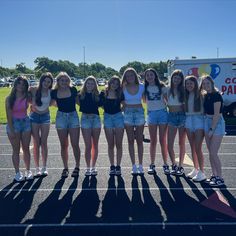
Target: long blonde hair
95 92
59 76
124 79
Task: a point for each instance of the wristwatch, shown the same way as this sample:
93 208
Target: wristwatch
210 129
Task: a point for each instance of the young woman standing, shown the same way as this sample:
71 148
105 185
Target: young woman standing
40 120
113 122
214 128
176 120
134 116
67 120
89 100
194 125
157 117
18 126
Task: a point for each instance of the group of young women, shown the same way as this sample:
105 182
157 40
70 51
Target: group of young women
183 106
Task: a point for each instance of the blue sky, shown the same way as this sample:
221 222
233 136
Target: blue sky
115 32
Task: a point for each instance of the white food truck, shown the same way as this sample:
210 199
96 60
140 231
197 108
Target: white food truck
222 70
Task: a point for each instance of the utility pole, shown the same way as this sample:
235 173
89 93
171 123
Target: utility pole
84 60
217 52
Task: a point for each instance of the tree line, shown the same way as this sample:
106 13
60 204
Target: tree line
82 70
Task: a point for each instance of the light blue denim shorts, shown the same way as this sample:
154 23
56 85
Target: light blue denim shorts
194 122
158 117
20 125
40 118
177 119
114 120
134 116
67 120
90 121
220 127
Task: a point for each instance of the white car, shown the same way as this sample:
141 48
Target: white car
101 82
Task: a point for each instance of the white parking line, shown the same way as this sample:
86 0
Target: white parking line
107 189
163 224
122 167
126 153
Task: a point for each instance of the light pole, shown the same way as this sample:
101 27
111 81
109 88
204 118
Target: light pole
84 60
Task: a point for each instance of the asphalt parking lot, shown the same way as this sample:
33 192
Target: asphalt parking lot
113 205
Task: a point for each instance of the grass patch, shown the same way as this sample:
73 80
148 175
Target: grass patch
4 92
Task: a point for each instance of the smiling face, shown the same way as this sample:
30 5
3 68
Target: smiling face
47 83
90 85
130 77
114 84
21 85
189 85
150 77
176 80
63 82
207 85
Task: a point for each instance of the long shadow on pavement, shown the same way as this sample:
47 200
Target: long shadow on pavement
85 207
115 206
53 209
16 204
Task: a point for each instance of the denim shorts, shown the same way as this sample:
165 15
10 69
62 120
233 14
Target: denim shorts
67 120
158 117
113 120
134 116
194 122
220 127
20 125
90 121
176 119
40 118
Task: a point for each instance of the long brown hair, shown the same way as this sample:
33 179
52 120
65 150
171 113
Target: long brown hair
158 83
38 94
12 96
180 87
118 91
197 94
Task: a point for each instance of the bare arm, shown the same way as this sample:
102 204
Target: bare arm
9 116
216 115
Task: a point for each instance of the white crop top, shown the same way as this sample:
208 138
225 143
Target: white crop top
133 99
45 102
173 101
191 106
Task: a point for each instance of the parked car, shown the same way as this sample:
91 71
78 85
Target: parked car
33 83
4 83
101 82
78 82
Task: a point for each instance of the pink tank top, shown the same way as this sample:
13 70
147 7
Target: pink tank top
19 109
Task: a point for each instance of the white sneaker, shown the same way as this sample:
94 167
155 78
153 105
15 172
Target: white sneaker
94 171
19 177
140 170
44 171
134 170
29 175
37 172
87 172
192 173
199 177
